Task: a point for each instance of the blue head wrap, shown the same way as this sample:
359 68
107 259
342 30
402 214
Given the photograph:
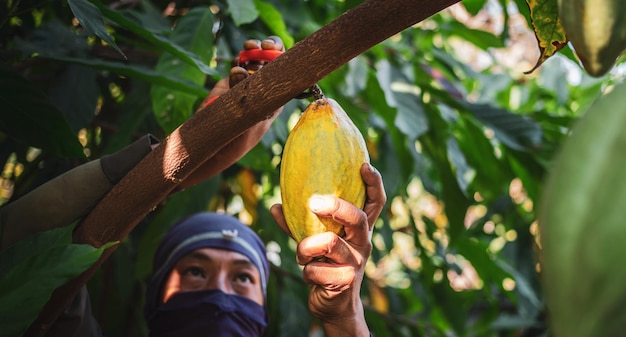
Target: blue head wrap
203 230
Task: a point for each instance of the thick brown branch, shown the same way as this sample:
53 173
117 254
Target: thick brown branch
248 103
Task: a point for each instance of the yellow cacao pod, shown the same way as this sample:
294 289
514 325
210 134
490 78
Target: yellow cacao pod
597 31
322 156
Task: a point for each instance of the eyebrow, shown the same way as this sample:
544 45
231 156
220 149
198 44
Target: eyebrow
205 257
199 256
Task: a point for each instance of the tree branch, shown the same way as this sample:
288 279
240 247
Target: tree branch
246 104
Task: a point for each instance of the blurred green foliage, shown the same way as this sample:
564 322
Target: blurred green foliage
463 139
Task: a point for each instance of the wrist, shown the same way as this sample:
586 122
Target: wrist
356 327
351 325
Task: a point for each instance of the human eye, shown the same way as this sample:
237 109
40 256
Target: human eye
194 272
245 278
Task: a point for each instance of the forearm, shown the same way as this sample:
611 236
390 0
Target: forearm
68 197
54 204
230 154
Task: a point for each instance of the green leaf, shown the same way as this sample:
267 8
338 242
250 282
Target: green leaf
522 7
399 93
34 245
274 20
52 38
434 145
157 40
463 172
134 112
147 15
526 167
515 131
393 153
474 6
140 72
485 265
548 30
522 284
173 107
90 18
258 159
28 116
507 322
242 11
479 38
78 110
480 154
289 304
33 268
581 218
356 77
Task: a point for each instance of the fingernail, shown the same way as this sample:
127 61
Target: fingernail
268 44
319 203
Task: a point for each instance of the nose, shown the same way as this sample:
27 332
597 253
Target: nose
219 281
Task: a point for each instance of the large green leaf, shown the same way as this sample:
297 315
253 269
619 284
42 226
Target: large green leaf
53 39
400 94
480 154
56 43
78 110
157 40
479 38
395 155
147 15
242 11
274 20
135 111
28 116
169 82
90 18
173 107
435 146
515 131
582 224
32 269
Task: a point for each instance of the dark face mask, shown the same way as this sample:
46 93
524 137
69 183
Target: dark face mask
208 313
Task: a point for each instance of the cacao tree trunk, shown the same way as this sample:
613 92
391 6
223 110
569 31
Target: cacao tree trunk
208 130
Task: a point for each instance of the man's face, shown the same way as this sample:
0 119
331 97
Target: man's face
212 268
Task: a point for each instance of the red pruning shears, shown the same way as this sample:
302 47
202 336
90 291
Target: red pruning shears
246 56
258 55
